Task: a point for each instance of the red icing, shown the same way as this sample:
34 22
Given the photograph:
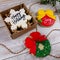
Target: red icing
33 50
47 21
35 35
29 43
42 38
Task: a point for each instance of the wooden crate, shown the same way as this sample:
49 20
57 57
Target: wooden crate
18 33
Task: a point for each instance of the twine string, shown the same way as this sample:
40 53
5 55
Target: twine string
25 48
36 30
11 50
8 47
52 31
49 32
52 54
55 43
33 4
1 44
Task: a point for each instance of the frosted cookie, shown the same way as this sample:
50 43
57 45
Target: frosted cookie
38 44
46 17
18 19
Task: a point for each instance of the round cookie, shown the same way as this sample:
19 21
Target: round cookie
38 44
46 17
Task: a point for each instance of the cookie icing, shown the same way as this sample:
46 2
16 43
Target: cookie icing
13 27
18 19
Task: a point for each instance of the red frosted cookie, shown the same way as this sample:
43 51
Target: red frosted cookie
46 17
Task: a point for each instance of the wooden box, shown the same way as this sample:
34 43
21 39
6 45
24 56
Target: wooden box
18 33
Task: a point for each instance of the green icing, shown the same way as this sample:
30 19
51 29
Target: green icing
45 51
39 20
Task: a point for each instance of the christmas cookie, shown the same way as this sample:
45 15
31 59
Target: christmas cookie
18 19
38 44
46 17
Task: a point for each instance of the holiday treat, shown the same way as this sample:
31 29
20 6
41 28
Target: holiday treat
38 44
46 17
18 19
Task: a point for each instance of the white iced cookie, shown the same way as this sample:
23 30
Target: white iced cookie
13 27
18 19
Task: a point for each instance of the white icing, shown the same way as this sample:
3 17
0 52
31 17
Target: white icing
22 13
28 17
17 16
22 24
7 20
11 22
12 11
22 10
25 20
13 27
41 46
18 24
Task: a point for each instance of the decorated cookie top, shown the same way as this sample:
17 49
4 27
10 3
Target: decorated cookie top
18 18
38 44
46 17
